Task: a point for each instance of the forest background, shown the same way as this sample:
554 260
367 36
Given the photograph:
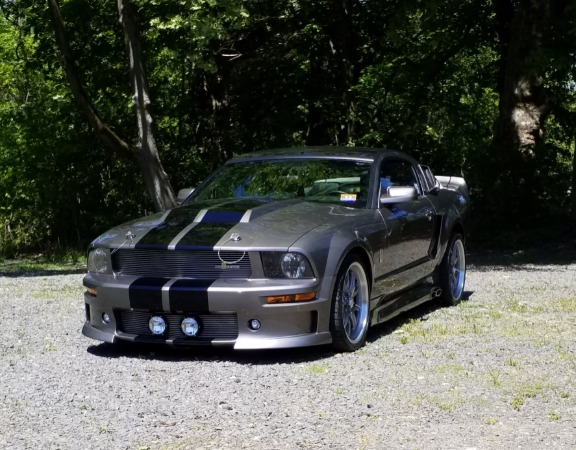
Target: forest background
108 106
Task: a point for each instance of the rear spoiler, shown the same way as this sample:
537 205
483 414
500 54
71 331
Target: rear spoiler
454 184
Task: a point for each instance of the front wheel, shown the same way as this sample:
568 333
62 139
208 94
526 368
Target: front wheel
453 271
350 306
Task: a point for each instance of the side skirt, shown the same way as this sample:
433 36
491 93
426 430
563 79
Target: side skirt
401 303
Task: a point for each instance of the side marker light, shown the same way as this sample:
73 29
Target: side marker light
291 298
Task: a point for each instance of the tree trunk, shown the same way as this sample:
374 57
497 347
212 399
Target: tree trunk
523 107
573 191
323 127
104 133
216 142
145 153
523 29
318 132
342 43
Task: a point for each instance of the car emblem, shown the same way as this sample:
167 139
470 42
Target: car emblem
226 265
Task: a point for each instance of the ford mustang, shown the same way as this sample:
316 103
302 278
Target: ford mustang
283 248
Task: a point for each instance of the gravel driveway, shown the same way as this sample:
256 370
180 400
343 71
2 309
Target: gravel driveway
496 372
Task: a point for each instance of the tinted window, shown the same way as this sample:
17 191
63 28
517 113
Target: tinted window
397 173
316 180
429 178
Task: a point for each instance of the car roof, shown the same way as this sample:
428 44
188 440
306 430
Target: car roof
360 153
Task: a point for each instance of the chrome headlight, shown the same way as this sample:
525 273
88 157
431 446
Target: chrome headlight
286 265
98 260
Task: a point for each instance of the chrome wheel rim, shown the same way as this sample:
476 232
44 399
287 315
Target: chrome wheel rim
457 269
355 302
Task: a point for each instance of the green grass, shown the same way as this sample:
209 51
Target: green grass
447 402
420 331
552 416
512 362
537 318
317 369
72 261
62 291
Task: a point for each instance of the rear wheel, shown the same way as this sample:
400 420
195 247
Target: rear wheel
350 306
453 271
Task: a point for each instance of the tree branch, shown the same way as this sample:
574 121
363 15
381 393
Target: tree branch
104 133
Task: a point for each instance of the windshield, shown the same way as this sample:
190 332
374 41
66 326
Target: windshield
317 180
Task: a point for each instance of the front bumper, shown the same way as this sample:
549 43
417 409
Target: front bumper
224 308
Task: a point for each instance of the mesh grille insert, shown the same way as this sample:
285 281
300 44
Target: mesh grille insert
213 326
204 264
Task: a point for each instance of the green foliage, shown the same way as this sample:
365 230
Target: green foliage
60 261
229 76
59 189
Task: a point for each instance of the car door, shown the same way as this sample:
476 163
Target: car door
409 231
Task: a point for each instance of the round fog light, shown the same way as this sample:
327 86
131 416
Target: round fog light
190 326
254 324
157 325
105 318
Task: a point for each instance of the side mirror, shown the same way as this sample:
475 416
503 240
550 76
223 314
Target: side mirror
183 195
399 194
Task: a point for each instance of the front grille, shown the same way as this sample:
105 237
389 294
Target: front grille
204 264
214 326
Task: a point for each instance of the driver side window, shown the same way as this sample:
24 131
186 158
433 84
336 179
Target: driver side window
397 173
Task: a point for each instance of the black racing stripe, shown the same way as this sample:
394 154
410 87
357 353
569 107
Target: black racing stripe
146 293
238 205
190 295
205 235
273 207
213 226
223 216
162 235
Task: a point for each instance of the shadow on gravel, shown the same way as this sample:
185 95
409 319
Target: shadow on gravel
210 354
40 273
420 313
561 254
254 357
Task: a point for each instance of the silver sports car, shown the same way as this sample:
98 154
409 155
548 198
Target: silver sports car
284 248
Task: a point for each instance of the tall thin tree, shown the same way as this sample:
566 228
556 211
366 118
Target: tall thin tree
145 150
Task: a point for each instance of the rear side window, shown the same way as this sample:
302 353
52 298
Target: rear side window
398 173
429 178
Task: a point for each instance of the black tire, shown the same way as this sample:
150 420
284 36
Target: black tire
453 272
349 320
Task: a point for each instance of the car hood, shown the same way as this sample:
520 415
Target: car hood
241 224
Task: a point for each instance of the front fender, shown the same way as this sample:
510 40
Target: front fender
327 246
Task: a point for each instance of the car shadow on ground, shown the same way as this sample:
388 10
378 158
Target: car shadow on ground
255 357
207 354
419 313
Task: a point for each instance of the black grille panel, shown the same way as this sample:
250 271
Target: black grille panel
204 264
220 326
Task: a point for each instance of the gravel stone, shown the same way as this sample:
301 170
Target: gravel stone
497 371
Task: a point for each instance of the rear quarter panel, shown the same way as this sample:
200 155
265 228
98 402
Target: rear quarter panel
451 202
